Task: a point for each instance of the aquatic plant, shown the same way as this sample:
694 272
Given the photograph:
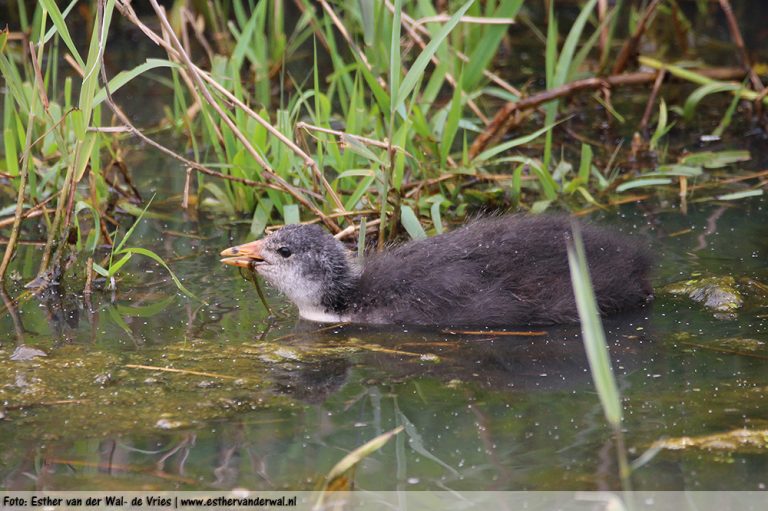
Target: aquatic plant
390 130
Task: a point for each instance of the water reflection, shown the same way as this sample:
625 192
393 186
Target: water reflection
148 389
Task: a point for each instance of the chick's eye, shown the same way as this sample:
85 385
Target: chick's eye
284 251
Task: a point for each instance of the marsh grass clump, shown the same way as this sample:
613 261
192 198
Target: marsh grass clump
377 119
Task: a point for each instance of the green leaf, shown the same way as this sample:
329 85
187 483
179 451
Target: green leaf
716 160
357 147
416 72
11 156
355 173
550 51
354 457
434 212
382 97
399 139
728 116
585 164
639 183
225 201
740 195
115 267
367 15
540 206
100 270
64 14
83 155
360 190
115 316
291 214
92 67
394 56
78 123
705 90
451 125
661 126
148 253
261 215
411 223
548 184
146 311
676 170
416 443
486 48
133 227
361 239
493 151
592 331
93 236
244 42
61 28
124 77
569 47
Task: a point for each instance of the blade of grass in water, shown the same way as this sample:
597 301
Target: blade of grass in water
416 72
596 346
592 330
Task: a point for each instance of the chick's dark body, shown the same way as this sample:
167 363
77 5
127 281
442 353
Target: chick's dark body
499 271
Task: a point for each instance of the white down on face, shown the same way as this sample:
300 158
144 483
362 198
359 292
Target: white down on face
310 272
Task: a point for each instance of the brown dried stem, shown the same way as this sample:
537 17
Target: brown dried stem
199 76
498 126
630 46
345 34
652 100
602 14
738 40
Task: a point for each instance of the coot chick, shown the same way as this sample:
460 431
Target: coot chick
495 271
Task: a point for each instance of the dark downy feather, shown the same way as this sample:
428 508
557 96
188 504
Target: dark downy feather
494 271
498 271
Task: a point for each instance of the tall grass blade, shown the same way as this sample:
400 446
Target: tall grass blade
93 66
416 72
592 330
361 240
123 77
493 151
394 57
53 30
569 47
61 28
662 126
148 253
486 48
411 223
705 90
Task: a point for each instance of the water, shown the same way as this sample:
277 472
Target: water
273 403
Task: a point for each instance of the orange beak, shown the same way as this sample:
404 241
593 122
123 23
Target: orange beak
243 256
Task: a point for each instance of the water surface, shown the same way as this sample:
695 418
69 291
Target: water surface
274 403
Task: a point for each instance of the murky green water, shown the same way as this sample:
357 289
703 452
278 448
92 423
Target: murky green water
273 403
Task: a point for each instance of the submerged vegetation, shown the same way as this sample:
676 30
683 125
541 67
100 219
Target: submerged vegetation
403 118
379 119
